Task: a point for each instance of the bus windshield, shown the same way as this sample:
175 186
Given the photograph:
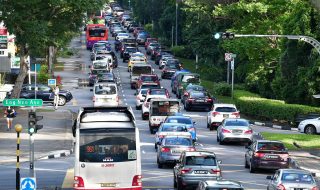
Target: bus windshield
97 32
107 145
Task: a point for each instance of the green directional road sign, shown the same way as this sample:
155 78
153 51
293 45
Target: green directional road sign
22 102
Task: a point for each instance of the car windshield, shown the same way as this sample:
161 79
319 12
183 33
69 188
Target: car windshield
178 141
237 123
143 91
191 79
205 160
173 128
297 178
100 65
271 146
179 120
195 87
131 49
149 78
105 90
225 109
171 66
95 72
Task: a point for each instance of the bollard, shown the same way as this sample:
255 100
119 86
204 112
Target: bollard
18 129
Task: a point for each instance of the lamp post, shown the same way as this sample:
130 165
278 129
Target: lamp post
176 22
18 129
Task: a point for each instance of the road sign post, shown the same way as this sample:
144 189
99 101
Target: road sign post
22 102
232 77
18 129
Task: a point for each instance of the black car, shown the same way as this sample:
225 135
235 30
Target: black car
198 99
168 71
45 93
189 88
128 51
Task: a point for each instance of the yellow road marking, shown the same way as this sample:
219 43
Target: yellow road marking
68 179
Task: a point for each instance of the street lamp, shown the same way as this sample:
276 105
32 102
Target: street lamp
177 1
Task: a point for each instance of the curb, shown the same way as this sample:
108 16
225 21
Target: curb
57 155
288 128
294 164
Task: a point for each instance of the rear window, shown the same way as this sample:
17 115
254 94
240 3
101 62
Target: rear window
297 178
143 91
226 109
237 123
198 95
178 141
131 49
105 90
174 128
138 70
179 120
191 79
157 92
271 146
149 78
149 86
206 160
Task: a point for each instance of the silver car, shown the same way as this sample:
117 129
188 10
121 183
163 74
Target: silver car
194 167
220 184
234 130
170 149
292 179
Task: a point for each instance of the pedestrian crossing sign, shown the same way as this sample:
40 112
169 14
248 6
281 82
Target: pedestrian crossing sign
28 183
51 82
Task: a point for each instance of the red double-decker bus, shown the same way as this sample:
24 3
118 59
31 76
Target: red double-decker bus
94 33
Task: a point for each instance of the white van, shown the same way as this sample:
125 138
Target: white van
105 94
159 110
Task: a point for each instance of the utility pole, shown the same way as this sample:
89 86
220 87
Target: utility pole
176 22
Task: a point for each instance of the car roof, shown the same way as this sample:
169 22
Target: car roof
294 171
236 119
199 153
224 105
174 124
179 116
258 141
223 183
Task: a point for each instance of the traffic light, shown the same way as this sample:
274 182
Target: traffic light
224 35
32 122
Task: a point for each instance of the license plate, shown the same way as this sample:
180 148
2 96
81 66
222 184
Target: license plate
176 151
200 100
200 172
108 184
236 131
106 100
298 188
225 115
272 156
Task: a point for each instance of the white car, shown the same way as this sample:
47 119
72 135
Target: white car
146 105
140 97
310 126
163 60
219 112
105 94
122 36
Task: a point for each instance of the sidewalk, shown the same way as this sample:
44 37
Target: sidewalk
55 136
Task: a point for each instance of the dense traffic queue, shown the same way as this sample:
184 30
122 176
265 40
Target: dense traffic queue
176 133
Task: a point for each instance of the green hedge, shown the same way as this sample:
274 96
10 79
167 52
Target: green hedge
222 89
262 108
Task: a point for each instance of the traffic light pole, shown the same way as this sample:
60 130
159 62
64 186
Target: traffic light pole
306 39
31 156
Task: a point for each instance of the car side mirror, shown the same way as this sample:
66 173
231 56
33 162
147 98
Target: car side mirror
314 174
194 123
152 70
219 161
135 93
269 177
91 90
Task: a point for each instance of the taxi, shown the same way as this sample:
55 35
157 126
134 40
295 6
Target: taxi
136 58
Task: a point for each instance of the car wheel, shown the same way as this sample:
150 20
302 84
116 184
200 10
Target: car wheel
159 164
310 130
246 165
155 146
143 117
137 107
218 139
251 168
179 185
221 142
208 126
62 101
174 182
123 60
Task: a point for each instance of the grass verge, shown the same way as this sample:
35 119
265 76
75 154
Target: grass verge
306 142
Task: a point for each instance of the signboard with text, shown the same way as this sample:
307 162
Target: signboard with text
22 102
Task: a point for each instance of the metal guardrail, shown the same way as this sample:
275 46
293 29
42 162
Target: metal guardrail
301 117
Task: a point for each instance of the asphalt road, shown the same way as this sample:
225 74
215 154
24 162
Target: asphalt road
59 172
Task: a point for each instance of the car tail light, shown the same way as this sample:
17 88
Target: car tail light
137 180
186 170
315 188
237 114
161 136
164 149
209 100
93 98
192 149
216 171
259 154
186 94
281 187
248 131
190 99
284 156
225 130
215 113
78 182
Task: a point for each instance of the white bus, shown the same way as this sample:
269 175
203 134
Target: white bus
107 149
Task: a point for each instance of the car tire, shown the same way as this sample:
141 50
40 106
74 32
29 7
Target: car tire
123 60
310 130
221 142
179 185
62 101
251 168
246 165
159 164
138 107
208 126
218 139
174 182
155 146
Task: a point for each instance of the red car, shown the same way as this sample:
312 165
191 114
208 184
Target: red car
147 78
148 41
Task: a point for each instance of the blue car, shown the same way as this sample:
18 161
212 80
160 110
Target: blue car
180 118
